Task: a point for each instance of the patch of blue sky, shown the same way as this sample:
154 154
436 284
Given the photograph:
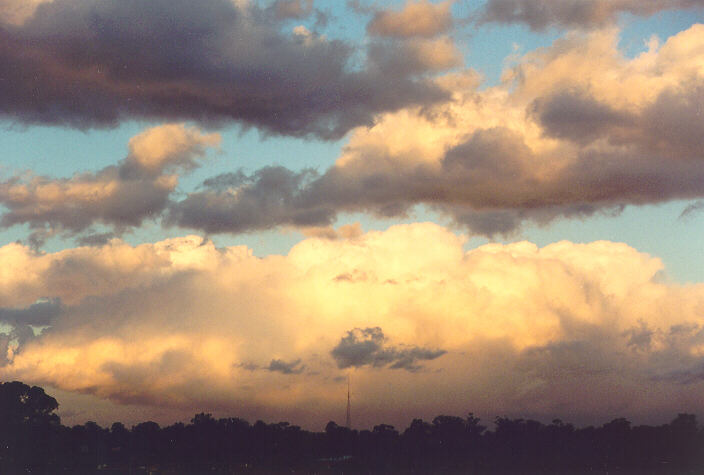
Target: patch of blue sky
61 152
655 229
637 31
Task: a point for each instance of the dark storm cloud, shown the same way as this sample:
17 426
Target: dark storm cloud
96 62
542 14
368 346
43 312
235 202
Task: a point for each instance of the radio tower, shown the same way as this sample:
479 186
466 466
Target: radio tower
348 419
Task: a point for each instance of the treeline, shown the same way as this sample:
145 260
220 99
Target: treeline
32 439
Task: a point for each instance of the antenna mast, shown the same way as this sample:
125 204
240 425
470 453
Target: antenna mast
348 419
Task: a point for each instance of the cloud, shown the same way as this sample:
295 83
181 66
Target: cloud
692 209
95 239
415 55
542 14
346 231
235 202
572 330
121 195
16 12
417 18
280 366
573 130
92 64
40 313
292 8
367 346
168 146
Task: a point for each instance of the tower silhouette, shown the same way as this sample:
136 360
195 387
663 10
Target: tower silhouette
348 419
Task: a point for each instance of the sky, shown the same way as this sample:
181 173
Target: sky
230 206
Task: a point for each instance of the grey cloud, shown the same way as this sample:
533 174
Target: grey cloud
640 337
281 366
670 126
127 204
235 202
491 182
576 116
41 313
692 209
368 346
542 14
94 63
95 239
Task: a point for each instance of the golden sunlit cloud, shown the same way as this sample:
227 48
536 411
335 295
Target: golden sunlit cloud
421 323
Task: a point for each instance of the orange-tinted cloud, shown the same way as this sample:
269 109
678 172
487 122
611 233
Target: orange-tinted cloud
572 130
572 330
120 195
417 18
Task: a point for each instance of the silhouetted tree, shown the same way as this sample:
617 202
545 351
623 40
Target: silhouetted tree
32 440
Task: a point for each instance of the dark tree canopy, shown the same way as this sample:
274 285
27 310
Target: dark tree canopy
34 441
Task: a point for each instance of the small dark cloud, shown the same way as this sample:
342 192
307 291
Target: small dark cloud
235 202
281 366
639 337
96 239
41 313
249 366
355 276
368 346
692 209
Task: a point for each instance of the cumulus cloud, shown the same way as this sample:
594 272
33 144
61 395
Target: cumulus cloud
91 63
368 346
121 195
574 129
573 330
542 14
416 18
416 55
